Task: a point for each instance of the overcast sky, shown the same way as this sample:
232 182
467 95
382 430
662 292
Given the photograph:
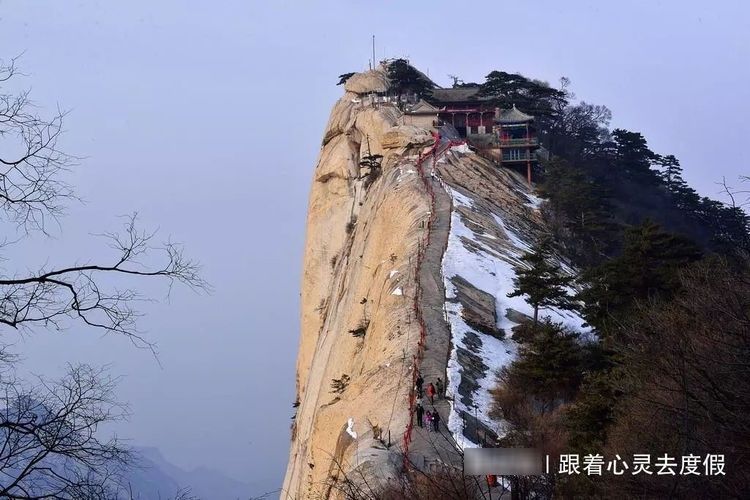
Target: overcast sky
206 117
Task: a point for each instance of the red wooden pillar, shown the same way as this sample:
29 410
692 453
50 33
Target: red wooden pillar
528 172
528 155
500 140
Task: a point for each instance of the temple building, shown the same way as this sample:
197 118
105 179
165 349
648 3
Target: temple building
467 112
517 139
422 114
506 136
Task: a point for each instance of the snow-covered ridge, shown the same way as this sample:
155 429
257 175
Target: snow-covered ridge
487 238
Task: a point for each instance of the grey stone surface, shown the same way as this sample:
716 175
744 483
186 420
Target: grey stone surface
478 309
426 446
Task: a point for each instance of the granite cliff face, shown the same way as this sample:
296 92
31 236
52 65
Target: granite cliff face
358 335
371 278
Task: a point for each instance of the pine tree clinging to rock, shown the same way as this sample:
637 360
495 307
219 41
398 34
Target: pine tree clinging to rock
543 282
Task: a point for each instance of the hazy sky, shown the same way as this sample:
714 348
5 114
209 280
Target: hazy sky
206 117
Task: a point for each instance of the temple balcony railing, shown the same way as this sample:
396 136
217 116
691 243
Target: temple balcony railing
524 141
524 157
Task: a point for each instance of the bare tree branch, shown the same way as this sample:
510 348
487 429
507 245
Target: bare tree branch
48 436
30 162
50 442
52 295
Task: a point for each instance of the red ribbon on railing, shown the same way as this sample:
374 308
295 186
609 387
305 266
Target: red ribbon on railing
435 152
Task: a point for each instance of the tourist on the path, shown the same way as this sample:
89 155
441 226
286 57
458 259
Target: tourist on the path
436 421
431 393
439 387
420 414
428 420
419 383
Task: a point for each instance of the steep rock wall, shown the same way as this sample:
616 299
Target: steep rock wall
358 272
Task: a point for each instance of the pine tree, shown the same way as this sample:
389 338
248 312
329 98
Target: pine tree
584 203
543 281
546 373
344 77
532 96
632 156
549 365
593 411
405 78
671 172
372 165
646 269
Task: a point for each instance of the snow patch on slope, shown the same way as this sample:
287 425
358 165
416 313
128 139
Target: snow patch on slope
535 202
493 273
461 148
350 428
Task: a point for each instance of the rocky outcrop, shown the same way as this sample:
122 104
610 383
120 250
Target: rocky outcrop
374 80
359 269
478 309
403 135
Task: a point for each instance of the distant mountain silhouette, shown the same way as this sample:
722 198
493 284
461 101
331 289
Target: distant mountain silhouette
157 478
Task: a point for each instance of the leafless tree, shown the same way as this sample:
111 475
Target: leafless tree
738 198
684 376
49 297
49 431
48 437
31 188
31 191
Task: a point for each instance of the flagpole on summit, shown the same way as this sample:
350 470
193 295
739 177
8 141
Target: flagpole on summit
373 51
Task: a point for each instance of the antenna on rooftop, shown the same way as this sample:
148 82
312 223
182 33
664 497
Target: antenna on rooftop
373 51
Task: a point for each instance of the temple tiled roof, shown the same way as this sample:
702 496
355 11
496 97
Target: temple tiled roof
458 94
422 107
513 115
